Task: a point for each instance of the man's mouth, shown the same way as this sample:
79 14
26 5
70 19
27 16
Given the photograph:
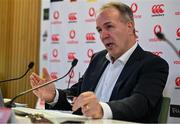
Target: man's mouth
109 45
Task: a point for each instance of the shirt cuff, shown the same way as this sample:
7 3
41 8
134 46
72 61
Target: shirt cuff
53 103
107 113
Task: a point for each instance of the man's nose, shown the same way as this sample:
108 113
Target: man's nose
104 34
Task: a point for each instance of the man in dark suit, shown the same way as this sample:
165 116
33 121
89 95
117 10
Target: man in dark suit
122 82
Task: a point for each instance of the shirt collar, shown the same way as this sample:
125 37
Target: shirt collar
124 58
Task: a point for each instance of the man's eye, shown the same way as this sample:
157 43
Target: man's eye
109 26
99 30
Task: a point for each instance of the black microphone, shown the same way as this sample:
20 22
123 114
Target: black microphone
161 36
30 66
10 103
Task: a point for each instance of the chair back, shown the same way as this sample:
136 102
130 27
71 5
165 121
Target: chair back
163 115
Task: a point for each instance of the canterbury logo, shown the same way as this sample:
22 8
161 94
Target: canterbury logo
72 16
71 55
90 36
158 9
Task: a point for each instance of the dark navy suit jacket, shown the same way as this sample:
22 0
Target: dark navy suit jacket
137 93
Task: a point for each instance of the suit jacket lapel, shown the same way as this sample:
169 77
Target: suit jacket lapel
101 67
127 70
94 73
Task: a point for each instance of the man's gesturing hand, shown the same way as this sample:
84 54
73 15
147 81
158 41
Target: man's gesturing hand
46 93
89 104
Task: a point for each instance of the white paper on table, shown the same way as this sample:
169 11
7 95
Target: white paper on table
53 115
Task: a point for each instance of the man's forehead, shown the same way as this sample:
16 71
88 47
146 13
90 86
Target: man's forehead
108 10
107 17
108 13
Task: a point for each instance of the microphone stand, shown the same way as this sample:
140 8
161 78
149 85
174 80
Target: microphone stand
162 37
10 103
30 66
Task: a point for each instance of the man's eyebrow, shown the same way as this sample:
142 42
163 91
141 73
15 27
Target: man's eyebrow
107 23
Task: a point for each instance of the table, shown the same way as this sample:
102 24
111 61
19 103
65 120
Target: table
63 116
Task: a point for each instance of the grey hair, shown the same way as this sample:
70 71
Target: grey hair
124 10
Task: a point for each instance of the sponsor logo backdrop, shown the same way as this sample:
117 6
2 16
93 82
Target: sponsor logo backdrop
68 31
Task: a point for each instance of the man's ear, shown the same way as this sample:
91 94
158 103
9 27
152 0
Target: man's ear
130 26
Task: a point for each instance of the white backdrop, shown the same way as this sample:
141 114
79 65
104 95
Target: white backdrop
68 31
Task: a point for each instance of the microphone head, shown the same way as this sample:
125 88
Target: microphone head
74 62
160 36
31 64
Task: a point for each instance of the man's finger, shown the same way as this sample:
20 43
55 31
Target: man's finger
35 78
82 100
46 75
